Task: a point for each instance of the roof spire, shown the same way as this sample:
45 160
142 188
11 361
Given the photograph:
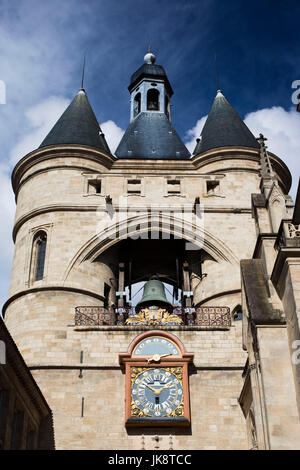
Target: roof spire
224 128
83 70
77 125
217 74
265 163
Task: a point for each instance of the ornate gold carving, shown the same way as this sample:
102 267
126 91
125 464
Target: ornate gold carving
149 316
179 411
135 411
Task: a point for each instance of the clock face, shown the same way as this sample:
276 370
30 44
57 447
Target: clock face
156 345
157 392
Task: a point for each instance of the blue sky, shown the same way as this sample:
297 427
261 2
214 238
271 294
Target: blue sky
42 44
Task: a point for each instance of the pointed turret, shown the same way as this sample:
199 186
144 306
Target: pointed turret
150 133
77 125
224 128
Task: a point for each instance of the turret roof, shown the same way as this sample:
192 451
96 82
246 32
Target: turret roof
224 128
150 135
77 125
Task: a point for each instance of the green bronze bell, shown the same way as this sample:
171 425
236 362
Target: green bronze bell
154 294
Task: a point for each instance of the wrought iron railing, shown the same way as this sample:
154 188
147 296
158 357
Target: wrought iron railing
199 316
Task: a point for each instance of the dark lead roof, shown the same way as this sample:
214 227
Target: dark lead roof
150 71
150 135
224 128
77 125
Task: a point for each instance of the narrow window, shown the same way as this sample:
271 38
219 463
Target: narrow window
174 186
134 187
40 243
153 100
94 187
137 104
212 187
237 314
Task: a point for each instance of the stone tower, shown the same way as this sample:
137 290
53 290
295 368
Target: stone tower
90 224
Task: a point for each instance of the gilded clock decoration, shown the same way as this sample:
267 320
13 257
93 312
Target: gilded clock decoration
157 392
154 316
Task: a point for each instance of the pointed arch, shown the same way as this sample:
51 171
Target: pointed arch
139 225
38 256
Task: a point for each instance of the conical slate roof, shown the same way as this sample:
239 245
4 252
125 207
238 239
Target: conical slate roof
77 125
224 128
150 135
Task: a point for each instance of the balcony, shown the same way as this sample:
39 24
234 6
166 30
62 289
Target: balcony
288 235
127 316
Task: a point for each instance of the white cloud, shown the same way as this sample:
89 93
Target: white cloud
113 134
282 129
279 126
38 122
194 133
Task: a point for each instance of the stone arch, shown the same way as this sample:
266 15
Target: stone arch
139 225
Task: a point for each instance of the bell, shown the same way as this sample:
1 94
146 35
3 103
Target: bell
154 294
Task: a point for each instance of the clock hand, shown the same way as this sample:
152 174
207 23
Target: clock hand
153 389
157 357
160 389
156 390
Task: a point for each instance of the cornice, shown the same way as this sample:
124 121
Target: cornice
133 208
243 153
32 290
225 153
284 257
57 151
261 237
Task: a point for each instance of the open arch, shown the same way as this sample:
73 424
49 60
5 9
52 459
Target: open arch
153 100
137 104
139 225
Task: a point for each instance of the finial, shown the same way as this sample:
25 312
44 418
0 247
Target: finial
217 74
149 57
261 140
82 77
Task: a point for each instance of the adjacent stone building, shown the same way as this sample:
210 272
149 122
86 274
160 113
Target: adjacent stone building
216 227
25 416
